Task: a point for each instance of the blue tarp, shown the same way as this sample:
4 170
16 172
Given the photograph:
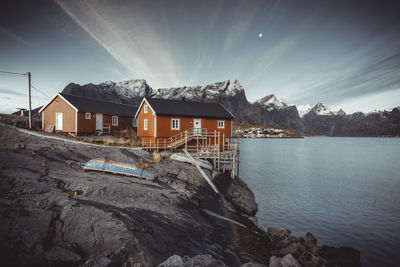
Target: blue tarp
118 168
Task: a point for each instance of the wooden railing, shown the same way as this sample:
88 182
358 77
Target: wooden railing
202 143
106 128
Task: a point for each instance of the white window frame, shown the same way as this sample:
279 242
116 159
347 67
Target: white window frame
134 122
221 124
114 120
145 124
176 125
88 115
145 108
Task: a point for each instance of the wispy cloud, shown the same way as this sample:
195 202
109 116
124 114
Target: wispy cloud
131 34
11 92
14 36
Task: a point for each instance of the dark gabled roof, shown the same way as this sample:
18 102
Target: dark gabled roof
95 105
188 108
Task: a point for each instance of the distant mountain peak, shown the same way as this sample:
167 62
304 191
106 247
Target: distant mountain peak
271 102
202 93
303 109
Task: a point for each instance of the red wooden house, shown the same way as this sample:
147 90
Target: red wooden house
169 124
77 114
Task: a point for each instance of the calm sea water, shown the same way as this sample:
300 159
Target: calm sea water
345 191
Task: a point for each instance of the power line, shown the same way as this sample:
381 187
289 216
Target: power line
40 91
15 73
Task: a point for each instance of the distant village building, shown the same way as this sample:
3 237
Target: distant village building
170 123
70 113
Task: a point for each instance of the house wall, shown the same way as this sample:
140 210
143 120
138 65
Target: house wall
150 118
123 122
89 125
59 105
164 125
84 125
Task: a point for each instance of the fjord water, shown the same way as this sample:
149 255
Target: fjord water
345 191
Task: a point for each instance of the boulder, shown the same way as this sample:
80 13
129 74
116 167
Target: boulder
237 192
287 261
253 264
199 260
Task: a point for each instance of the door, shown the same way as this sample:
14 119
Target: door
99 122
59 121
197 127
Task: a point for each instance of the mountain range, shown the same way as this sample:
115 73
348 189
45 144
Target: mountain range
267 111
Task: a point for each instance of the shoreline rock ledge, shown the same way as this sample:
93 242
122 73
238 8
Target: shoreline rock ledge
52 213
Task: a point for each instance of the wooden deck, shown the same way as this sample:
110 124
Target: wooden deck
222 151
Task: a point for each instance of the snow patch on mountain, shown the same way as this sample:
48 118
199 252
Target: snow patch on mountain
322 109
303 109
270 102
201 93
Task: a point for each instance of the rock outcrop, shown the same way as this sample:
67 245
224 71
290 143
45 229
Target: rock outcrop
306 251
53 213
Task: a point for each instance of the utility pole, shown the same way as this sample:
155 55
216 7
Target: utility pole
30 102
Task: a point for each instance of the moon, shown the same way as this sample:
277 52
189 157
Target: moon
260 35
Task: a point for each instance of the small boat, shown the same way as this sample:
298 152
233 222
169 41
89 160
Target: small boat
115 167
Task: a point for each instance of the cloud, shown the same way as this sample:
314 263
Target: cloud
14 36
378 73
134 33
372 101
11 92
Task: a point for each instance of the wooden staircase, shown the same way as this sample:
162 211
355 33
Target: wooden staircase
223 152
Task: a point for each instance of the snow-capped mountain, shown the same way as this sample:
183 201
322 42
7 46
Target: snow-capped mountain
267 111
322 109
201 93
318 109
123 92
270 102
303 109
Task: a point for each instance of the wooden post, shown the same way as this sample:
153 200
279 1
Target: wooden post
186 139
219 156
223 143
30 102
201 171
215 137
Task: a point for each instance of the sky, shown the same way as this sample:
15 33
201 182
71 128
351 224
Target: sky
343 53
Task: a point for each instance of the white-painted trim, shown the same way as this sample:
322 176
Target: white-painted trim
141 104
155 126
62 98
42 121
145 124
68 102
76 121
223 124
228 110
231 129
179 124
112 120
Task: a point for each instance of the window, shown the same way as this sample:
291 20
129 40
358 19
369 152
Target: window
134 122
114 121
145 124
87 115
145 108
221 124
174 124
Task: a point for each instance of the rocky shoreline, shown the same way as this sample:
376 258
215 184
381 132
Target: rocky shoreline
55 214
